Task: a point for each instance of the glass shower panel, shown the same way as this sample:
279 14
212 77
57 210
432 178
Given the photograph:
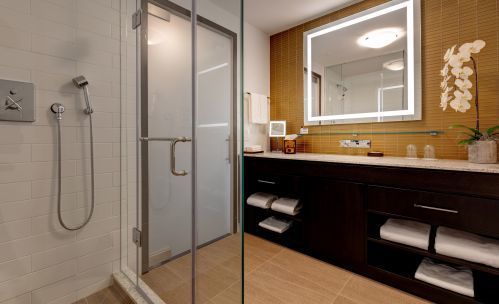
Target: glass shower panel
218 257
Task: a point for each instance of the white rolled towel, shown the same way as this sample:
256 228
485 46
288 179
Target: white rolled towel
286 205
276 225
261 200
467 246
459 280
406 232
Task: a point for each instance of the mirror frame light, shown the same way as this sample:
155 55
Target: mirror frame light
277 122
413 60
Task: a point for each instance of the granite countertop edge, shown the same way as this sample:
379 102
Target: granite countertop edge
387 161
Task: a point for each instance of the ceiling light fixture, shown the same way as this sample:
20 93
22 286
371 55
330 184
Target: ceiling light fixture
379 38
394 65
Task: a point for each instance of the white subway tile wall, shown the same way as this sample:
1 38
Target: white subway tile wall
48 42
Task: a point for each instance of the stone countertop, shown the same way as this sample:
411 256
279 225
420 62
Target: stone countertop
387 161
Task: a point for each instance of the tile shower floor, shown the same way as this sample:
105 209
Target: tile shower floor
274 275
110 295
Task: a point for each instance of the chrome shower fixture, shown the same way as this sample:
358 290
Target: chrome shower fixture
57 109
82 83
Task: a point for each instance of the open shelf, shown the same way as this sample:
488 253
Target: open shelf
269 212
375 220
393 260
404 264
436 256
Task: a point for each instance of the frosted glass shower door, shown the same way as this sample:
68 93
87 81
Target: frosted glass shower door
169 115
214 206
169 222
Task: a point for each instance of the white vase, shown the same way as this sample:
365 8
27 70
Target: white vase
483 152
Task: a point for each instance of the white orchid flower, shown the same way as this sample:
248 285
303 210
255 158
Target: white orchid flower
460 105
455 64
467 94
449 53
465 51
463 84
455 61
462 73
445 71
477 46
444 99
445 82
464 95
444 85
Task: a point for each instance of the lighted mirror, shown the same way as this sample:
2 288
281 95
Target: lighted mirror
365 68
277 128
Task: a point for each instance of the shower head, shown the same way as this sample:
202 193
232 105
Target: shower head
80 81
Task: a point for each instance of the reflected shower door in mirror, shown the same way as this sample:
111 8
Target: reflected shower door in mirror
364 68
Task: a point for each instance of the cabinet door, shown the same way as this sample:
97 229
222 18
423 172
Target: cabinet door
335 221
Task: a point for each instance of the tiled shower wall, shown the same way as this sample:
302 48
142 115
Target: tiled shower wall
444 23
48 42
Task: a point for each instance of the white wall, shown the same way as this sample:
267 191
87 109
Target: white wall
48 42
256 79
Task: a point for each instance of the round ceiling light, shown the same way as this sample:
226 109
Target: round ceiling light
394 65
379 38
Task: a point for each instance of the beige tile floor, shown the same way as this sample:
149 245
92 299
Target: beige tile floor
110 295
273 275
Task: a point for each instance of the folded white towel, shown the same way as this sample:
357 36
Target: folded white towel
253 149
261 200
467 246
286 205
258 109
459 280
276 225
406 232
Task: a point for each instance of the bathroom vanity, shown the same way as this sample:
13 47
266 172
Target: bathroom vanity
347 198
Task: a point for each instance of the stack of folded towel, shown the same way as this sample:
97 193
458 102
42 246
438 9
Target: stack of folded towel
261 200
286 205
459 280
276 225
467 246
406 232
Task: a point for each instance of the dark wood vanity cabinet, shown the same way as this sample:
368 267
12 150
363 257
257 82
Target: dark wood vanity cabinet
344 205
332 214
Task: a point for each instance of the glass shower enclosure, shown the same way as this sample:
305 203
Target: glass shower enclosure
184 239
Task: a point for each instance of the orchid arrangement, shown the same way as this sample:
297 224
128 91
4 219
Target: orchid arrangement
456 86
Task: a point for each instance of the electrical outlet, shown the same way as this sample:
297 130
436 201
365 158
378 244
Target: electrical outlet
355 143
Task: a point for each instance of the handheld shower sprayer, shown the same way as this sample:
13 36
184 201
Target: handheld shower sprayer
82 83
58 109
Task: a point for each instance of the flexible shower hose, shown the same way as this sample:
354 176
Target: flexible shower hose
59 177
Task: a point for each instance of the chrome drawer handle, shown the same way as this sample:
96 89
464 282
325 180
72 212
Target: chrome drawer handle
435 208
266 182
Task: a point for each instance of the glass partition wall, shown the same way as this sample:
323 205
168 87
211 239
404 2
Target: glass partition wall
184 241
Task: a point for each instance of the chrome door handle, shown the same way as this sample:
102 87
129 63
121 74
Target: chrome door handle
173 141
435 208
172 155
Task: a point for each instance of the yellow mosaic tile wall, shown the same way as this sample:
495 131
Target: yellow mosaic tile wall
444 23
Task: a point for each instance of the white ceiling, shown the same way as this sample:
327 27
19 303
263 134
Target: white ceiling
341 46
274 16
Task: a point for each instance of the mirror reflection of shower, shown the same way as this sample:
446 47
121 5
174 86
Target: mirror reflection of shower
58 109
